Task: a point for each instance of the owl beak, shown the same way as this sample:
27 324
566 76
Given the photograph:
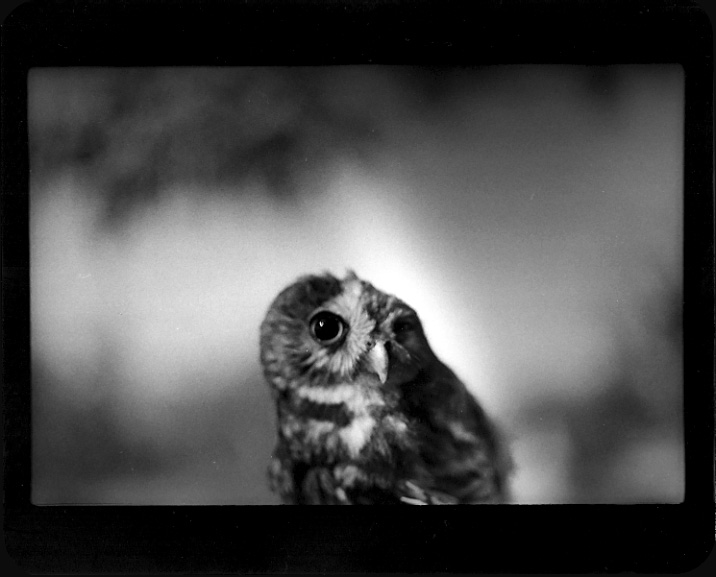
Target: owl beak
377 361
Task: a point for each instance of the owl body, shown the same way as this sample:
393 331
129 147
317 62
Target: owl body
366 413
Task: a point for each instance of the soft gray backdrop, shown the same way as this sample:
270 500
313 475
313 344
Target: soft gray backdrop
532 215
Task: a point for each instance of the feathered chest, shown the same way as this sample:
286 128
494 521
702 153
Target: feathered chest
353 422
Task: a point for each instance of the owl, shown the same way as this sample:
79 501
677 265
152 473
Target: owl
366 412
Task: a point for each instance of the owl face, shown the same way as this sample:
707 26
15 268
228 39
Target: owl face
364 407
323 331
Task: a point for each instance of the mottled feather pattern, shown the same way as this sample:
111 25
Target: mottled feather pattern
367 414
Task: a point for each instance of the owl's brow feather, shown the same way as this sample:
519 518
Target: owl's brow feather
297 300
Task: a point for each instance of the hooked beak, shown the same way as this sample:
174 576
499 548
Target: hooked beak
377 361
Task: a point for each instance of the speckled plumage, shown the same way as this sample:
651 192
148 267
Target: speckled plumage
370 415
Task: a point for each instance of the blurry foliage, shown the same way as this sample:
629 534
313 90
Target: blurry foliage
135 132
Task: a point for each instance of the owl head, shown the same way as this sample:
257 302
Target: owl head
322 330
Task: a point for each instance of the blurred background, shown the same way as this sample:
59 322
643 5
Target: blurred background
531 214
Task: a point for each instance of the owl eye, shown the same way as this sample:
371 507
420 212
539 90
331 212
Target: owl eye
404 325
326 327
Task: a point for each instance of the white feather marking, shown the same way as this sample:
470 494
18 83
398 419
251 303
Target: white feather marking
347 474
356 435
328 395
348 302
352 290
398 425
357 399
317 429
353 437
411 501
460 433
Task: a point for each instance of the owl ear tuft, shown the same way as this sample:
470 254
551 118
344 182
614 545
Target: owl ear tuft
350 275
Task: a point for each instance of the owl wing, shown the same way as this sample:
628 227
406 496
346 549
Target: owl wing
460 447
476 470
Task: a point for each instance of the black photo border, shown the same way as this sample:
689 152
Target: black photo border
274 539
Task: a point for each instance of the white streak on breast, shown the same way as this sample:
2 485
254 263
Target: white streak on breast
316 429
357 434
353 437
356 398
328 395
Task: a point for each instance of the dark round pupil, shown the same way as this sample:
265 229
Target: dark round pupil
326 327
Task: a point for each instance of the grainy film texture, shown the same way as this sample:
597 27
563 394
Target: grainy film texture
532 215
